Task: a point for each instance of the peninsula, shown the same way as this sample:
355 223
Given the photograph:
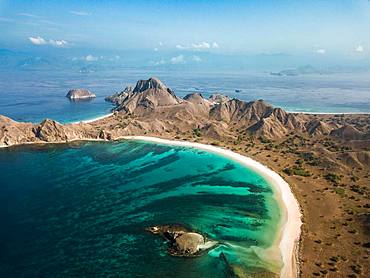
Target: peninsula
324 158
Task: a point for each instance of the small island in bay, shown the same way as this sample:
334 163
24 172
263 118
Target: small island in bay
181 241
79 94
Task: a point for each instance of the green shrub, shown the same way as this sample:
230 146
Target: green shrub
197 132
334 178
296 170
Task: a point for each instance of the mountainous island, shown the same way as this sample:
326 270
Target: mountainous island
324 158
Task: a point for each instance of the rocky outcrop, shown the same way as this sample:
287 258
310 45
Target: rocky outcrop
50 131
267 128
317 127
348 132
218 98
200 104
14 133
189 243
196 98
76 94
216 130
119 97
146 96
182 242
258 118
356 159
240 111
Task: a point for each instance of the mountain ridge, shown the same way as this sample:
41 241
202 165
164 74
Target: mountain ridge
150 107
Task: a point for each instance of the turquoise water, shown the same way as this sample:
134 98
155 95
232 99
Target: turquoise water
82 209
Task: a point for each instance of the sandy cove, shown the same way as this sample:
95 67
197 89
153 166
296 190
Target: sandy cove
291 229
291 226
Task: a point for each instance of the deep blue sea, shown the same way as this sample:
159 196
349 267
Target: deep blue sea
81 210
35 95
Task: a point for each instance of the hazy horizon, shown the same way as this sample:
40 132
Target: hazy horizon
179 34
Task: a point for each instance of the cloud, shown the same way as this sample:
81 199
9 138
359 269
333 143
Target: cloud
359 48
201 45
58 43
178 59
321 51
29 15
179 46
80 13
41 41
198 46
91 58
196 59
37 40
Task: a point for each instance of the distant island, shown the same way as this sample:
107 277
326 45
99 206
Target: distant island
308 69
324 158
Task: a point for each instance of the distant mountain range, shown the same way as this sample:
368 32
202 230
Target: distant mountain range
86 61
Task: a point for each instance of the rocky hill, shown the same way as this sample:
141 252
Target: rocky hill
146 96
150 107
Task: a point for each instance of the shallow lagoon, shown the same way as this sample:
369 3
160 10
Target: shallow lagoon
82 209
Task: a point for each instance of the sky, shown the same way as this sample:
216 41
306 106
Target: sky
319 27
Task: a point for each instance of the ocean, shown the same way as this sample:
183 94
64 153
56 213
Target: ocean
35 95
81 209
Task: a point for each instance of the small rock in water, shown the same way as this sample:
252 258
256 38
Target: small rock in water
80 94
189 242
181 241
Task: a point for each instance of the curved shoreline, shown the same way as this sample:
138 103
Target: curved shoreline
290 230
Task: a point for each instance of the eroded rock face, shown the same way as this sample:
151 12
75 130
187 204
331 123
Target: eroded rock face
182 242
50 131
76 94
145 97
218 98
119 98
151 83
348 132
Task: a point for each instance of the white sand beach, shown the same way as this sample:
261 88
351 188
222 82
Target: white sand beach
94 119
291 229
